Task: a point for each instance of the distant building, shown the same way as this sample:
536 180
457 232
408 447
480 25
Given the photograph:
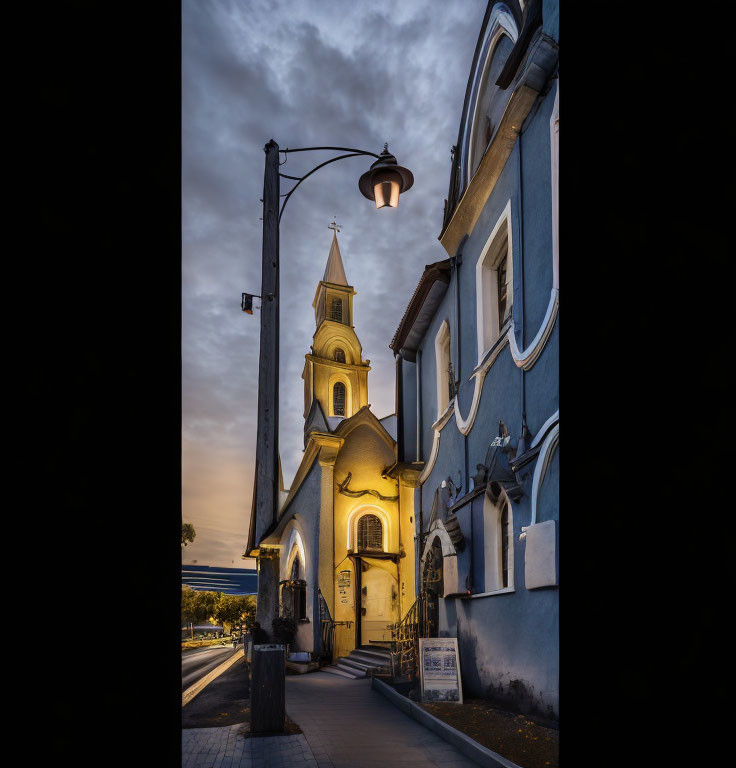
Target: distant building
477 356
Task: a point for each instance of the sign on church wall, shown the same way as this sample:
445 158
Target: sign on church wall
440 669
343 587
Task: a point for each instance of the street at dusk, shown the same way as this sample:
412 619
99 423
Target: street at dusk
375 433
312 272
196 663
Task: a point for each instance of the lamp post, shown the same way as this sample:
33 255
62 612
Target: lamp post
383 182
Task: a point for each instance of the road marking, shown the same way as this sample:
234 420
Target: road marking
193 690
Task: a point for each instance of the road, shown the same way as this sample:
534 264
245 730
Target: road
196 663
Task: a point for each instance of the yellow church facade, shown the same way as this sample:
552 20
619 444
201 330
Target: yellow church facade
344 537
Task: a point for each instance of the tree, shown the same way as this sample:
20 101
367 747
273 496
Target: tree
235 609
197 607
187 534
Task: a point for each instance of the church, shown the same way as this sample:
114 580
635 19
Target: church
340 558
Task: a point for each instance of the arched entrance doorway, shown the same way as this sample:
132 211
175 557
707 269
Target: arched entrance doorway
432 586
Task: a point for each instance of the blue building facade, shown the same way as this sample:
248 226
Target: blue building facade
477 375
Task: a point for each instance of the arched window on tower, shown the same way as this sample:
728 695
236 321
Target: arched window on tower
338 399
336 310
339 355
370 534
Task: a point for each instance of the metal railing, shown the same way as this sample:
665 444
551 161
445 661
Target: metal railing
328 625
405 636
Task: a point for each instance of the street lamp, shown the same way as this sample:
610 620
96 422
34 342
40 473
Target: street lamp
383 182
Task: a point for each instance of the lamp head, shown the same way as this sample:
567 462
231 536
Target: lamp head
385 180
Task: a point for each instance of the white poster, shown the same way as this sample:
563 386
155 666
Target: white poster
440 669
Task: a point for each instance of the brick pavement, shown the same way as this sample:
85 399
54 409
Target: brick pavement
224 748
346 724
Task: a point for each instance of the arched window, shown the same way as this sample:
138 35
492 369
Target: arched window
498 544
293 601
338 399
336 310
505 544
339 355
491 102
370 534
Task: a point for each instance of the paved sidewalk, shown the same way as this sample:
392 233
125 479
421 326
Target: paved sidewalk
346 724
224 748
349 725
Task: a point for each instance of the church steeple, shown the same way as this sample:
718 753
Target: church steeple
334 297
335 374
334 271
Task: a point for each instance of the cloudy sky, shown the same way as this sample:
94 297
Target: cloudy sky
305 73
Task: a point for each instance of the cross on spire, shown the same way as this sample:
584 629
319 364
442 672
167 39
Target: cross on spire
335 226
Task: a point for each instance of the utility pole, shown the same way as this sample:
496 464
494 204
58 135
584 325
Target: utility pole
266 479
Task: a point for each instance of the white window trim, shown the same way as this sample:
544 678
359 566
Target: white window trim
504 591
490 561
486 282
362 511
500 23
442 352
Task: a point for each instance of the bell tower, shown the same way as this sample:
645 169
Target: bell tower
335 374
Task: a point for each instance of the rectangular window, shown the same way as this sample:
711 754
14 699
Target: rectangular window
503 303
336 310
494 284
445 385
338 399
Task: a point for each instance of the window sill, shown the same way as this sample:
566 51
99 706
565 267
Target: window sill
303 621
502 337
444 417
504 591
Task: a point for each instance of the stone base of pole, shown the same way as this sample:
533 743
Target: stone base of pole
267 689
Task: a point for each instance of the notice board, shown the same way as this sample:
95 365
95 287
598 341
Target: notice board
440 669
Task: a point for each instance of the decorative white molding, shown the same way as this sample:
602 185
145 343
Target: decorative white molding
545 455
479 374
438 530
429 466
445 416
293 545
553 419
525 358
449 556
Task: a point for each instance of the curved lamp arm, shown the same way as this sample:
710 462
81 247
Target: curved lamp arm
300 179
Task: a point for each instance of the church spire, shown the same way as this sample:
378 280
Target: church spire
334 271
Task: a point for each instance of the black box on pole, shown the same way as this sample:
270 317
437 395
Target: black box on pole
267 691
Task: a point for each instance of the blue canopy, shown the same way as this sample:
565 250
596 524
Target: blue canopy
230 581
